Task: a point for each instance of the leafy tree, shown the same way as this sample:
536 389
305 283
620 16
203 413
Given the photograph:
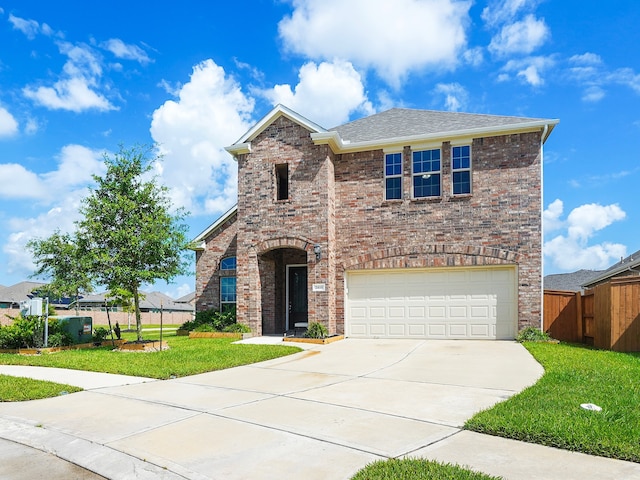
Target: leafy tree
63 259
129 229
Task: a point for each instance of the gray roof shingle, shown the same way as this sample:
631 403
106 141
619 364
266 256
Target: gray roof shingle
571 282
404 122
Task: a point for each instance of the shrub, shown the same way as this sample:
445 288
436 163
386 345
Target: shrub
25 332
99 334
316 330
207 327
237 328
216 319
532 334
60 339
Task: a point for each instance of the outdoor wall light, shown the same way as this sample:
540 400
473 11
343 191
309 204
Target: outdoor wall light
317 249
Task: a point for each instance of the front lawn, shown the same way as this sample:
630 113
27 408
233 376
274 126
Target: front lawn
184 357
17 389
549 412
417 469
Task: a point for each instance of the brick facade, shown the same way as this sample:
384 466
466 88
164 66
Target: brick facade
337 201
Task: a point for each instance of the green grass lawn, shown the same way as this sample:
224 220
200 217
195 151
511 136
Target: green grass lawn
549 412
17 389
184 357
417 469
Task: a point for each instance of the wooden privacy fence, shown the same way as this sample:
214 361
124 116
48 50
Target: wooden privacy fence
607 316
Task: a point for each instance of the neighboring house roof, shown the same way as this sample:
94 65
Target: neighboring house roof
571 282
198 243
19 292
151 301
398 127
629 264
188 298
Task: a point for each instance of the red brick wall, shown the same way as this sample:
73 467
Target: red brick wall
220 244
299 222
338 202
499 223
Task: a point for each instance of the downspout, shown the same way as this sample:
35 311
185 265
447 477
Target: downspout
544 135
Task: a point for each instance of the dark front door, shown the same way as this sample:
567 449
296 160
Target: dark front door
297 295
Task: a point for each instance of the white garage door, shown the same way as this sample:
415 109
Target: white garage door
432 303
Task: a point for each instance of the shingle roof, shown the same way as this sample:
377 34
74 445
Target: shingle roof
404 122
571 282
625 264
19 292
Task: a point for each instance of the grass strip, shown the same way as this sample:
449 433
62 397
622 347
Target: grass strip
18 389
417 469
550 413
185 356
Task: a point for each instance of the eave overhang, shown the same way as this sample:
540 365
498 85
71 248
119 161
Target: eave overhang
198 244
337 145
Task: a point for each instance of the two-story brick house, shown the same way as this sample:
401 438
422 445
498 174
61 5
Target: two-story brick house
407 223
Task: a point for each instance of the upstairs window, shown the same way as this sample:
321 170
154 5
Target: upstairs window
426 173
282 181
393 176
228 263
461 169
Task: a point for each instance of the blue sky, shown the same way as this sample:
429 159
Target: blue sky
76 81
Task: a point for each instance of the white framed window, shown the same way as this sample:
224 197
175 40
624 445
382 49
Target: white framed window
426 173
461 169
227 293
393 176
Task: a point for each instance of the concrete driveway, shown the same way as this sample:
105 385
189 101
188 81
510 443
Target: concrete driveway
322 413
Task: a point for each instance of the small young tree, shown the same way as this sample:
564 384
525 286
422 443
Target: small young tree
61 258
129 229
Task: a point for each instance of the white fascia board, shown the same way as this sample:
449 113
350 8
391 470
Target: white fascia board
198 243
243 145
338 146
612 273
278 111
239 149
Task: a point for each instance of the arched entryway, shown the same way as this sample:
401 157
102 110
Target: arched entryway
284 289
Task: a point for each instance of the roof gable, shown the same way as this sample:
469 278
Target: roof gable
243 144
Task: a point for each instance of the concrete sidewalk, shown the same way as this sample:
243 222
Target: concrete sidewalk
322 413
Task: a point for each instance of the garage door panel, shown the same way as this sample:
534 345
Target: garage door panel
437 303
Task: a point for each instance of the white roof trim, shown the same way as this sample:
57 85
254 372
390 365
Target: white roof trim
630 265
243 145
198 243
338 146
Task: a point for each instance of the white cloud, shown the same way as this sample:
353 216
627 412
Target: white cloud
593 94
455 95
76 90
571 251
29 27
8 124
521 37
393 38
551 216
529 70
587 58
59 191
75 166
211 112
126 51
17 182
504 11
62 217
326 93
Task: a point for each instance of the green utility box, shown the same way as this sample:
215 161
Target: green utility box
80 328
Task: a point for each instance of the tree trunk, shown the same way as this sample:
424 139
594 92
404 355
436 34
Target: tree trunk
136 303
